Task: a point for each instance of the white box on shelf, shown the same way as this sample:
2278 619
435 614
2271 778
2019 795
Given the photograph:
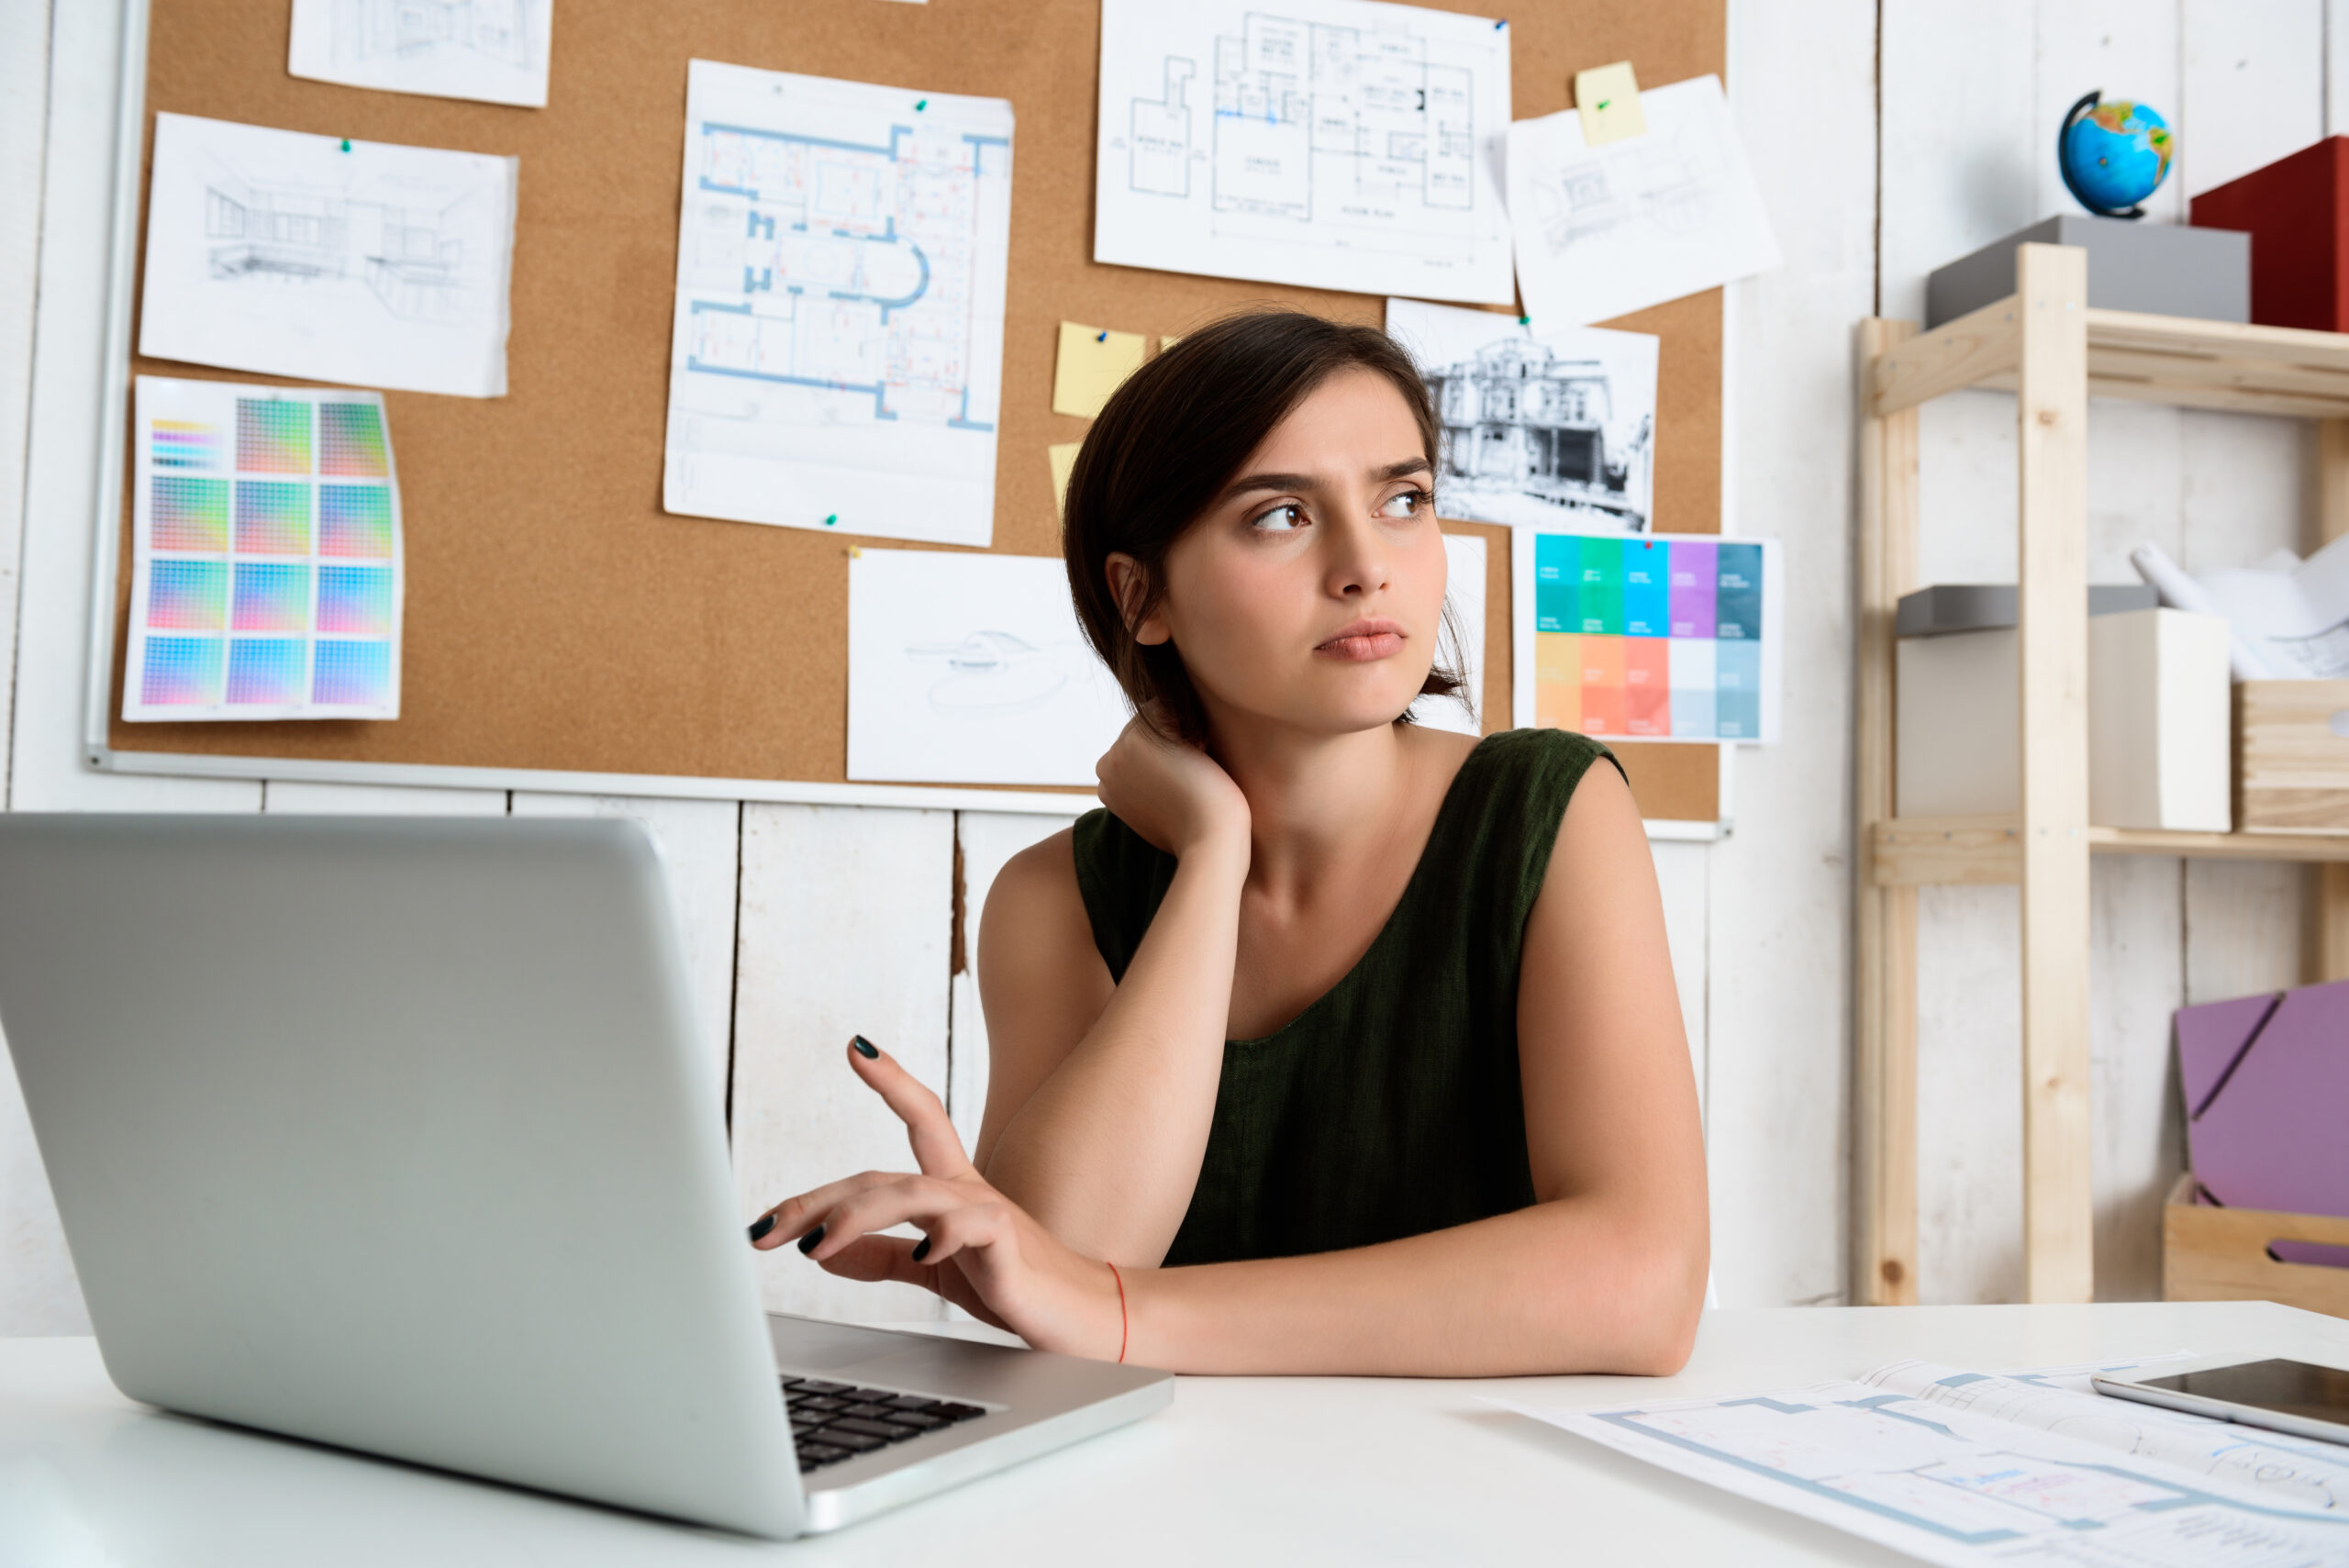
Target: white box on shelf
2157 723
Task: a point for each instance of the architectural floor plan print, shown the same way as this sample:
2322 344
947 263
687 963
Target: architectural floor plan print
331 260
838 349
1964 1468
1329 143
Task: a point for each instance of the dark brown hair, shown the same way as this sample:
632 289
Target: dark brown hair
1166 444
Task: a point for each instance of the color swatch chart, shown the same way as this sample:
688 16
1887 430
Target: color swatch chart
1648 636
267 577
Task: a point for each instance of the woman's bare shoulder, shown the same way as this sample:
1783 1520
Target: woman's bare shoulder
1035 927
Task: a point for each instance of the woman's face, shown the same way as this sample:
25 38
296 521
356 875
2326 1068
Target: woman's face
1309 591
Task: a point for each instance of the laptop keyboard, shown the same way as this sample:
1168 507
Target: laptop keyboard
833 1421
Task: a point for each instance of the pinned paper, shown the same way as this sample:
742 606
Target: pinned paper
1093 365
1064 458
1608 98
1166 343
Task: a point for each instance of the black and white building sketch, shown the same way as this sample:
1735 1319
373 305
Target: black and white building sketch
1557 429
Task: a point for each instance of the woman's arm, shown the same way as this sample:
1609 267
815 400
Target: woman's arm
1100 1096
1605 1273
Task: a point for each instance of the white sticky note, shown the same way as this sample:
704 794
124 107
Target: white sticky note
1093 364
1608 99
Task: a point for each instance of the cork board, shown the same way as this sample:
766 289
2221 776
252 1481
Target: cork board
557 618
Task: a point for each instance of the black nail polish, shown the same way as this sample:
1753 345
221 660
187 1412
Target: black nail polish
866 1049
761 1226
813 1240
922 1249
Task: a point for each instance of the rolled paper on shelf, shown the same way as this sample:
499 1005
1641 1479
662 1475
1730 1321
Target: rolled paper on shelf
2180 592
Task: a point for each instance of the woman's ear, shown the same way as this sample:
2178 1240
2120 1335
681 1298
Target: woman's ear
1129 587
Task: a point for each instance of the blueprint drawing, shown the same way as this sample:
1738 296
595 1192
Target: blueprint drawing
1340 144
1963 1468
310 256
837 357
495 51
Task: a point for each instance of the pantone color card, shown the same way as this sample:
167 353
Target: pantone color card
267 578
1655 636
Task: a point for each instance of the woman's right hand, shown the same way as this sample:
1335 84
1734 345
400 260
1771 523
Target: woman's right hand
1172 793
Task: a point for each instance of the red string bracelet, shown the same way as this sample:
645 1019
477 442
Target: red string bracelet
1122 1310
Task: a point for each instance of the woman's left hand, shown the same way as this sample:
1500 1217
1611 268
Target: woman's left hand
979 1251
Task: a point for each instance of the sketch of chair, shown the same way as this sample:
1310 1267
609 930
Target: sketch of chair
992 671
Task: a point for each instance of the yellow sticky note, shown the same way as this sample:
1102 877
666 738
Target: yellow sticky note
1093 365
1064 458
1608 99
1166 343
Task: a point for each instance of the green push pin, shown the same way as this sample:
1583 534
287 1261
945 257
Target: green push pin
830 520
1525 321
346 144
920 104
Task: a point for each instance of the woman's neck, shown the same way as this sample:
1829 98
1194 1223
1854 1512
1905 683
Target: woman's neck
1319 801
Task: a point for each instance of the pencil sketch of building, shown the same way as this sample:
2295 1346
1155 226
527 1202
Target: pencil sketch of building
1531 436
408 256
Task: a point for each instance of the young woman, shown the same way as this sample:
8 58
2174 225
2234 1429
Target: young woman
1333 1043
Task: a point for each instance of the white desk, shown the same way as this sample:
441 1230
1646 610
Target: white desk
1240 1471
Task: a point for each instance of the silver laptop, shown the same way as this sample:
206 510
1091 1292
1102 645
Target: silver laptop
394 1133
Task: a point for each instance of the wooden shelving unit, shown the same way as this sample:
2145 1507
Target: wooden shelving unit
2044 344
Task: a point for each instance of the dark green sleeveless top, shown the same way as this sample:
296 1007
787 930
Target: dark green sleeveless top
1391 1106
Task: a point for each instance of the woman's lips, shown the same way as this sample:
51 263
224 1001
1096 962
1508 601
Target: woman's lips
1362 641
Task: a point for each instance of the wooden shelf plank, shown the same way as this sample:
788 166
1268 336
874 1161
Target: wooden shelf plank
1920 851
2172 360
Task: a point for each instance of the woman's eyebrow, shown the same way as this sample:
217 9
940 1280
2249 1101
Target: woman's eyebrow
1248 482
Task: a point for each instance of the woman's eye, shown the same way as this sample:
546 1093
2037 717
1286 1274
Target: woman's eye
1279 519
1406 504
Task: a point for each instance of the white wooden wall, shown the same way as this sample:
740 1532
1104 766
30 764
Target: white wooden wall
807 924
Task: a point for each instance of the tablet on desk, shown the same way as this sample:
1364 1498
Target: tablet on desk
2282 1396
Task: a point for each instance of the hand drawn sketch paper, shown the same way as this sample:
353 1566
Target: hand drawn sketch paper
1555 426
837 359
1962 1468
1654 636
972 669
1460 647
1337 144
267 570
1602 231
495 51
354 261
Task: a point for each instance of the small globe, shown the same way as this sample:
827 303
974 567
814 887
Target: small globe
2113 155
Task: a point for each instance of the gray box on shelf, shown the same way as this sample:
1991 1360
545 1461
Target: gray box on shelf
2157 709
2162 269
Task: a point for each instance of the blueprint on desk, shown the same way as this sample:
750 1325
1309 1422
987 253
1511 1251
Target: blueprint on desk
837 357
1337 144
1965 1468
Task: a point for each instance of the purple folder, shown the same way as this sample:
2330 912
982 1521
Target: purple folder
2267 1086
